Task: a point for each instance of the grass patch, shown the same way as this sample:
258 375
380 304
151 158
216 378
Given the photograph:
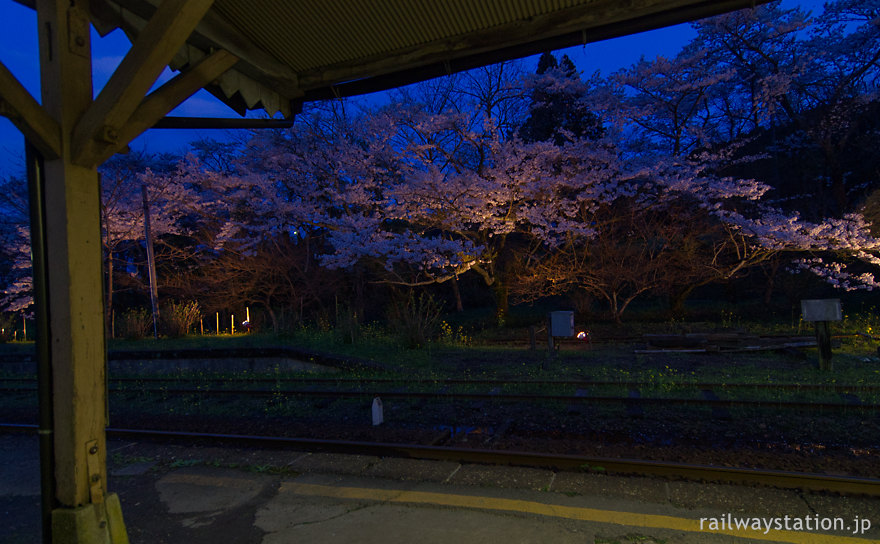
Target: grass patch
856 362
180 463
223 341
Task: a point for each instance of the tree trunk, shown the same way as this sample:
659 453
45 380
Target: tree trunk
678 298
616 311
771 280
838 190
501 292
359 304
459 307
273 317
731 292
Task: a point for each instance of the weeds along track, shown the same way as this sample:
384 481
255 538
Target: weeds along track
847 397
785 427
638 412
680 426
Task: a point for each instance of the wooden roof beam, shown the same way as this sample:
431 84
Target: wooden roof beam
563 28
28 115
169 96
214 32
155 46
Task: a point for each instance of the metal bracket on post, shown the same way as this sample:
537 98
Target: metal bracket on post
96 488
78 31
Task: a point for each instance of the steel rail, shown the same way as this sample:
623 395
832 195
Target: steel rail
504 397
837 388
707 473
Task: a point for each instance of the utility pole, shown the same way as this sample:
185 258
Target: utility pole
151 263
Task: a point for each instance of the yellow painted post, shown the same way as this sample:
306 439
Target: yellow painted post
74 239
218 323
75 133
84 512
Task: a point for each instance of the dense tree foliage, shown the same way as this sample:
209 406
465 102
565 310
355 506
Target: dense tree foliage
753 146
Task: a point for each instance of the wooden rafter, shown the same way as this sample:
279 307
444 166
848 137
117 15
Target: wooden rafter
156 45
170 95
28 115
213 32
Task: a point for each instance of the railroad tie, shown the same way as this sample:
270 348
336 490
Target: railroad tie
718 412
578 408
634 407
499 432
850 399
480 405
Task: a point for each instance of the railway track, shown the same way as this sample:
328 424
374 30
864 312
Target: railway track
634 398
707 391
838 388
703 473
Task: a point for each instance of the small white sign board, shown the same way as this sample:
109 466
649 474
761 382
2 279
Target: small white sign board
824 309
562 324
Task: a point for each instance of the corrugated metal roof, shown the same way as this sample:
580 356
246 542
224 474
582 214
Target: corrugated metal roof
310 49
327 32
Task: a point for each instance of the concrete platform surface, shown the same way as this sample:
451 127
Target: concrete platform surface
178 494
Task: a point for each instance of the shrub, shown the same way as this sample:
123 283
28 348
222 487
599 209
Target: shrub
180 317
453 336
136 323
7 327
348 326
414 320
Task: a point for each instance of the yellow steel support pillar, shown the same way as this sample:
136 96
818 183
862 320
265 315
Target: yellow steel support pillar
85 513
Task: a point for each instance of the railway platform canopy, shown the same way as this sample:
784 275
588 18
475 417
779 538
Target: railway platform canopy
254 55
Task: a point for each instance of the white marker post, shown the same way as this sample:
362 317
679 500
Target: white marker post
378 416
821 312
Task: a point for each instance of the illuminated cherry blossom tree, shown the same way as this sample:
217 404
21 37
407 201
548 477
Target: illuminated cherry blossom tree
15 267
655 179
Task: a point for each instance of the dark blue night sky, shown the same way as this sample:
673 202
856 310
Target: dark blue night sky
18 51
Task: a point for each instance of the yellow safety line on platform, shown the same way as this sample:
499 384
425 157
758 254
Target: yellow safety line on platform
631 519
